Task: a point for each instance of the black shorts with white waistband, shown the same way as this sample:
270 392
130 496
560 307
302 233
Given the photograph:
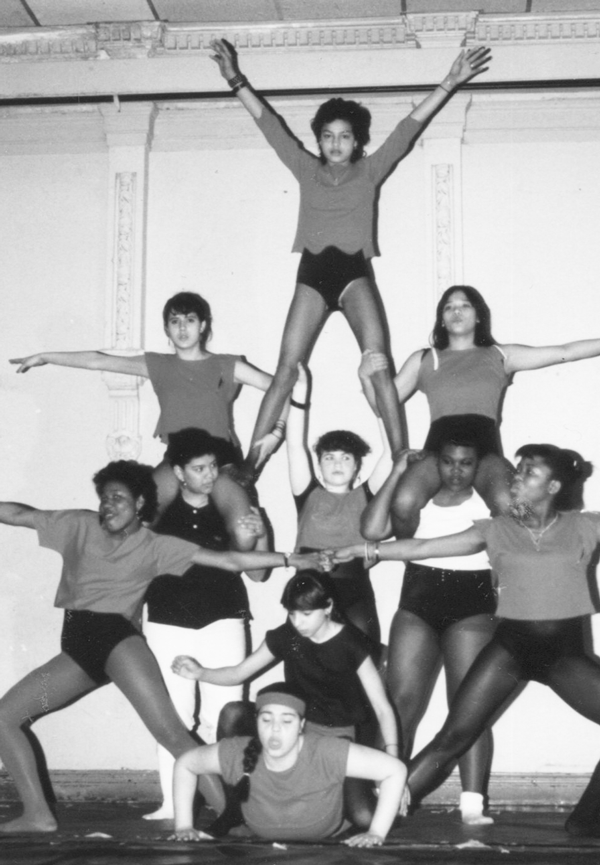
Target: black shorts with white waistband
88 638
330 272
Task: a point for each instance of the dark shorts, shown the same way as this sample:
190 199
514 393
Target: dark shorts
482 431
442 598
88 639
330 272
537 646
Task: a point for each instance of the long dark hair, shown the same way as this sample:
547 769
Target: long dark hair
568 467
483 327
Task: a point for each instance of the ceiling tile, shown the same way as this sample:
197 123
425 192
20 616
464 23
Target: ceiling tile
52 13
225 11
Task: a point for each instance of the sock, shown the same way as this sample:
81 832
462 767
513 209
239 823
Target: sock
471 808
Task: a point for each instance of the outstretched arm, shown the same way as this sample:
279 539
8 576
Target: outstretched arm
232 560
226 60
467 65
523 357
97 360
412 549
390 774
189 668
16 514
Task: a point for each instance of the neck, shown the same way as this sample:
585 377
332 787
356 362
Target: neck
340 490
540 516
196 500
461 343
328 630
194 352
452 498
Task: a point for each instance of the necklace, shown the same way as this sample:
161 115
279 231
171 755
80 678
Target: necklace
536 535
340 176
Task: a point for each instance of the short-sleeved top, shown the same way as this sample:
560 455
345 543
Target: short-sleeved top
337 214
101 573
194 393
472 381
326 673
545 584
301 804
330 520
204 594
437 522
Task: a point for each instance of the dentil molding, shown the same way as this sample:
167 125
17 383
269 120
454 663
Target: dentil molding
131 40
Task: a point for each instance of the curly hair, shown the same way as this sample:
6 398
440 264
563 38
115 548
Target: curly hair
137 477
353 113
189 443
483 327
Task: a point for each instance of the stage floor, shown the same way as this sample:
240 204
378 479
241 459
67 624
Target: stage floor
103 833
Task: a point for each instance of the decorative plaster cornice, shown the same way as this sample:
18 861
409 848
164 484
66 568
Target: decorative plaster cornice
131 40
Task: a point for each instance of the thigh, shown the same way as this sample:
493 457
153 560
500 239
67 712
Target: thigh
46 689
419 483
492 482
166 484
232 502
364 312
303 324
576 680
134 670
461 645
413 660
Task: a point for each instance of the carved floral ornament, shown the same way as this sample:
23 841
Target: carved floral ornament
155 39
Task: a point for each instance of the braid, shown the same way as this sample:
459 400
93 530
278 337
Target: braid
232 815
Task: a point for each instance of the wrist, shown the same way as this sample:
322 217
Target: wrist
448 84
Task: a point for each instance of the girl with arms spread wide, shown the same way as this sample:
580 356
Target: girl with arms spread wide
336 226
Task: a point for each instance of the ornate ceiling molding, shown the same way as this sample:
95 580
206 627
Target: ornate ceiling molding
131 40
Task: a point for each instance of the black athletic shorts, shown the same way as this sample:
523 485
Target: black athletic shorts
89 638
330 272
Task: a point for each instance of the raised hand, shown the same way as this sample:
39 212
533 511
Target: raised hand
27 363
372 362
252 524
468 64
187 667
225 58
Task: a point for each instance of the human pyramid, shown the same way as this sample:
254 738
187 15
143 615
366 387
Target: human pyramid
302 762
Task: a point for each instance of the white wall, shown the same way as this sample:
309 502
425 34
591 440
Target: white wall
221 217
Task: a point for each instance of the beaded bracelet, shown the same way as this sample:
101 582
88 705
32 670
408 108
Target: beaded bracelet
237 82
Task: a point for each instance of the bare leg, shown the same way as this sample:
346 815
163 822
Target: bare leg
304 321
365 316
461 644
492 482
45 690
413 663
418 484
134 670
232 502
494 676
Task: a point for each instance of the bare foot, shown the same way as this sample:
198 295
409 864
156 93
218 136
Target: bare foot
29 824
165 812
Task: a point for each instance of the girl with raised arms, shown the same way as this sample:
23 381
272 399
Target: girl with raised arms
336 226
